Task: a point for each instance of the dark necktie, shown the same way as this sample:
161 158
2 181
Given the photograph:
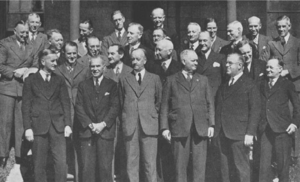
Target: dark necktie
97 85
271 83
189 77
164 66
22 46
232 81
282 40
117 71
140 78
47 80
119 35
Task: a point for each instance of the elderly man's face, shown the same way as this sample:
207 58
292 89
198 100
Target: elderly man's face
34 23
233 65
273 68
56 41
113 55
93 47
158 18
254 26
193 33
138 59
204 41
233 33
133 34
21 32
190 62
49 63
97 66
71 54
157 35
246 52
162 52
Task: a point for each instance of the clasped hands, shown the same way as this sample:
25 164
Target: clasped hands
97 127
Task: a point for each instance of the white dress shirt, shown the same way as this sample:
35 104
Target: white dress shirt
99 80
142 74
235 78
44 75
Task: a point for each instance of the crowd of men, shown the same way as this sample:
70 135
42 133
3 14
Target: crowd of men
140 107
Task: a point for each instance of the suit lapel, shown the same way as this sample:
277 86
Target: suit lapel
209 61
195 81
278 46
103 88
16 49
64 72
131 80
288 45
91 92
234 88
182 81
147 79
260 42
276 87
41 85
78 68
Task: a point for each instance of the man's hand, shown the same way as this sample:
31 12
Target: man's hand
29 135
284 72
99 127
18 73
210 132
68 131
167 135
248 140
291 129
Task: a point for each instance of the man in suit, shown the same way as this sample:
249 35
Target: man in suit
277 125
193 31
85 30
254 68
118 36
210 64
134 34
165 65
256 39
116 70
46 117
56 42
37 39
212 28
158 19
93 45
73 73
187 117
140 96
16 56
238 111
97 107
235 35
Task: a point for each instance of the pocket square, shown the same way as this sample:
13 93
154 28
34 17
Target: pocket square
261 74
106 93
216 64
264 47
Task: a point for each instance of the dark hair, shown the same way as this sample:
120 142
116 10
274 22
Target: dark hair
43 54
90 37
209 20
51 31
121 49
69 43
20 22
162 29
116 12
89 21
240 57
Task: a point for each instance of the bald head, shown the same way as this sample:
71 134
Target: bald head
254 26
158 17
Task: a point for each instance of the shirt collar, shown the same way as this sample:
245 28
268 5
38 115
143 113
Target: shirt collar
168 62
43 74
207 53
274 80
195 44
99 80
135 46
142 73
236 77
122 32
120 66
185 73
255 40
212 42
286 38
31 34
237 41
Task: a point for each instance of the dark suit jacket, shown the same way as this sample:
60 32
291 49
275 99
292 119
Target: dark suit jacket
275 105
113 39
147 38
262 43
39 44
140 103
257 70
149 55
289 54
218 44
108 72
238 109
88 111
84 60
12 58
173 68
183 105
213 68
45 104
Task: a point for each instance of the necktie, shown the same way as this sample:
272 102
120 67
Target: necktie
32 37
117 71
47 78
231 81
119 35
164 66
22 46
130 50
189 77
282 40
140 78
270 83
192 47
